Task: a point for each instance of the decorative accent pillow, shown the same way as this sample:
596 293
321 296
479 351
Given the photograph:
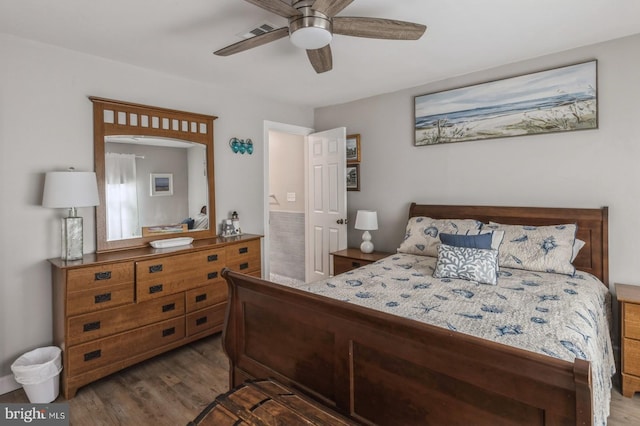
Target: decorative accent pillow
537 248
480 241
422 234
480 265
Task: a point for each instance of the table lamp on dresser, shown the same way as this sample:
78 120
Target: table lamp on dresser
70 190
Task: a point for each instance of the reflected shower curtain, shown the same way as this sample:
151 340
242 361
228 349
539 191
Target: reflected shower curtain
121 197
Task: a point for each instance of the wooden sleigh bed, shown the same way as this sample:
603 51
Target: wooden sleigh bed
378 368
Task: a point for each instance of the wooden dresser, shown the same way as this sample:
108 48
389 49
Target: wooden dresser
112 310
629 298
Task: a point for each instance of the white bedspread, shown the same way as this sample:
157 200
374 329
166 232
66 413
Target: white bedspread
557 315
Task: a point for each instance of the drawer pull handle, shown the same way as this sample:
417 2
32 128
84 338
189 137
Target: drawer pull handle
90 326
100 298
168 331
93 355
101 276
243 250
212 258
155 288
168 307
244 265
212 275
356 264
201 297
155 268
201 321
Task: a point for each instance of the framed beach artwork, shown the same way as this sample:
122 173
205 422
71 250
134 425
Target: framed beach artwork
161 184
557 100
353 149
353 177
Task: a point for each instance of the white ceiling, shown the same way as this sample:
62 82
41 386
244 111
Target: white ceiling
179 36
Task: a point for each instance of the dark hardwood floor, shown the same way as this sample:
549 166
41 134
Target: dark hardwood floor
172 389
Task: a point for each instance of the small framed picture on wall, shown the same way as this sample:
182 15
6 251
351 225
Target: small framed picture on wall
161 184
353 177
353 149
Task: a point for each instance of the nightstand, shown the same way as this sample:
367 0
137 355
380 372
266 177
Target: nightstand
352 258
629 298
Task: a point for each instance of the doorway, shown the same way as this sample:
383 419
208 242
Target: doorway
285 218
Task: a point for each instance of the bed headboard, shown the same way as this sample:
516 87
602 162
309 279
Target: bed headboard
593 227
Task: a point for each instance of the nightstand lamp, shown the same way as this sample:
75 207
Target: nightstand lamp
366 220
69 190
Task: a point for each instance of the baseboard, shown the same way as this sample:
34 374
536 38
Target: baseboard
8 384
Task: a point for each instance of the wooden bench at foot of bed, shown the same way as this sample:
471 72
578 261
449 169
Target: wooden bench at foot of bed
381 369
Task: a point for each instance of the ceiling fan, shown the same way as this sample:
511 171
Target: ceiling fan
312 24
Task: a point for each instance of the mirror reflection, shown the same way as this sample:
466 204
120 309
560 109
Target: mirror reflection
154 186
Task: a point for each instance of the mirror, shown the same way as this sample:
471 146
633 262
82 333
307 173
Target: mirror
155 174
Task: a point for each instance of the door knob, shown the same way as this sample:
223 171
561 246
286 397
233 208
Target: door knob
342 221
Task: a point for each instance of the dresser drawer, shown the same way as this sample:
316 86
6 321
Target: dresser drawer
202 297
80 302
99 276
632 320
166 275
210 265
205 319
98 353
83 328
245 257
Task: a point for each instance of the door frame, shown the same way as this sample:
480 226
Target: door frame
270 126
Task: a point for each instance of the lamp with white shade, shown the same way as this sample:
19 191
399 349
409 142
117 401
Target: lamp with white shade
70 190
366 220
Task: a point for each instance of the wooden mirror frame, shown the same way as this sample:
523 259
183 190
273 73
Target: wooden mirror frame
143 120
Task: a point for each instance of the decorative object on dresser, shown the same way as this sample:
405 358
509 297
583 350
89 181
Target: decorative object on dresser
69 190
366 220
112 310
352 258
629 298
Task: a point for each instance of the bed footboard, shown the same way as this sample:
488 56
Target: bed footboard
381 369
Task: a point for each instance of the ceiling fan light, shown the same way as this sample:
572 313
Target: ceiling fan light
311 38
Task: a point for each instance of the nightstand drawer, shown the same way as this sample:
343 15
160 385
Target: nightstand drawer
631 357
344 264
632 320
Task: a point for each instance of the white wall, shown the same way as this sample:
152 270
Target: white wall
578 169
286 171
46 124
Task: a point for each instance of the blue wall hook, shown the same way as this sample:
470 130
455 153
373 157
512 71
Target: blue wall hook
241 146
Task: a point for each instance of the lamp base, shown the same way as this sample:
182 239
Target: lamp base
367 245
71 238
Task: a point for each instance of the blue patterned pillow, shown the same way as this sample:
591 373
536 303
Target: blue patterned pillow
537 248
465 263
481 241
422 234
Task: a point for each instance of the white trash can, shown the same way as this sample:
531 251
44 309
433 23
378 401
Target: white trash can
38 371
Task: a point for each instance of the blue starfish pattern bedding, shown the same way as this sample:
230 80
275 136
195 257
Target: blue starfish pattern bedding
562 316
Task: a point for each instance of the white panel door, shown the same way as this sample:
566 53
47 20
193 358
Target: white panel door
327 200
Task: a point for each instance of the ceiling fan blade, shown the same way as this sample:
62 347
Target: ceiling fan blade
321 59
277 6
252 42
378 28
330 7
